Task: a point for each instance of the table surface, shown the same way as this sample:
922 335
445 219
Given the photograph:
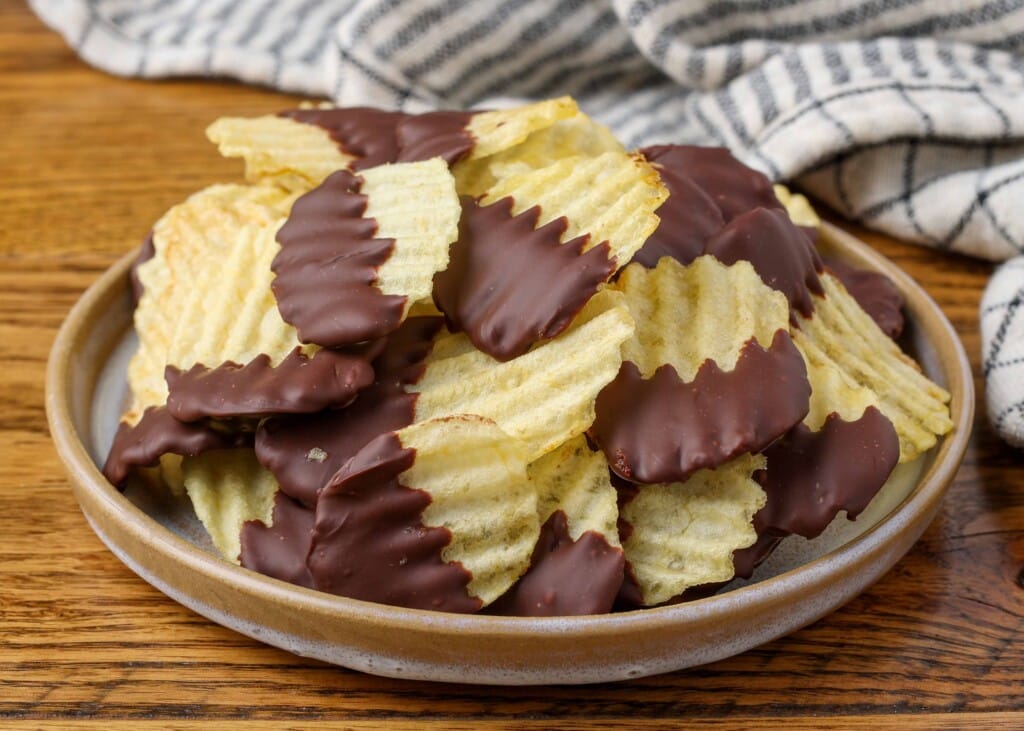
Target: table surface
87 163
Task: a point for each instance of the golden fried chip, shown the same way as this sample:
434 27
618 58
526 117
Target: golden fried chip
503 128
684 534
611 197
841 332
578 136
291 154
191 238
686 315
228 488
544 397
415 204
476 477
575 479
800 210
232 315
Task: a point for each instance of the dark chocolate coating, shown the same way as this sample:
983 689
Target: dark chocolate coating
434 134
280 550
734 187
565 577
327 267
811 476
158 433
303 452
779 251
369 541
662 430
509 284
688 218
284 443
875 293
297 385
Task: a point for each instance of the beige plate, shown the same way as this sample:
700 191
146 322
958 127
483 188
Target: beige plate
804 580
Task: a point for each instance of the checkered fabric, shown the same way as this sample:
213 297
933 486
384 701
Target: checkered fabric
906 116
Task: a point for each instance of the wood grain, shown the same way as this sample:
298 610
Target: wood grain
88 162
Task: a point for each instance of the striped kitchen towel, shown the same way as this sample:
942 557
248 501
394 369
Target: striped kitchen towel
906 116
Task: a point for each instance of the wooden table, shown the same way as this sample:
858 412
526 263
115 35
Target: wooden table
87 163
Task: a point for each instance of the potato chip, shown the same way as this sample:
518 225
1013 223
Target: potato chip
684 534
704 311
190 238
578 136
436 515
504 128
416 205
611 197
291 154
232 315
227 488
845 335
231 342
575 479
358 251
710 374
800 210
544 397
476 477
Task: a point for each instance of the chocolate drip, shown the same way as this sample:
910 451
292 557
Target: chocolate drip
565 577
435 134
158 433
875 293
509 284
146 252
368 134
296 385
369 541
662 430
733 186
688 218
280 550
303 452
327 267
779 252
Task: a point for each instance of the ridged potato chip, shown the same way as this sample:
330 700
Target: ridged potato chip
684 534
704 311
190 238
578 136
841 332
358 251
476 477
503 128
227 488
416 205
575 479
544 397
438 515
611 197
291 154
232 315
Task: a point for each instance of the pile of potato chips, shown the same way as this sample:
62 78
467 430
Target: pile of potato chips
500 444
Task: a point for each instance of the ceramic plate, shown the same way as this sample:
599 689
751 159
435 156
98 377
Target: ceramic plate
803 581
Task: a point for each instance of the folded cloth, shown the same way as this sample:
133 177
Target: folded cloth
905 116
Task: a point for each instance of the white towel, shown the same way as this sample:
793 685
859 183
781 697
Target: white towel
906 116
